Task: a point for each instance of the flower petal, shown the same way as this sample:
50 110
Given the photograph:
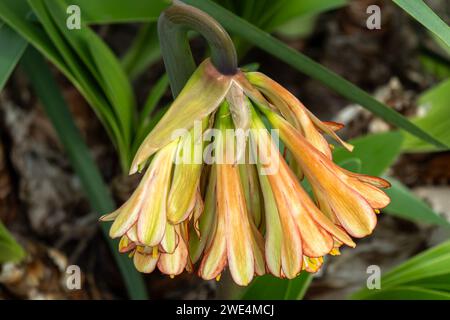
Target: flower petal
174 263
215 257
249 177
145 262
152 217
352 210
201 95
170 240
186 177
289 237
291 108
125 244
198 239
128 213
231 204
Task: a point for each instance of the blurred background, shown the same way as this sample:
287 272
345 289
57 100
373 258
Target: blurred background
44 203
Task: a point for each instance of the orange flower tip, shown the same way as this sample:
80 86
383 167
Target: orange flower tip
218 277
377 211
351 243
331 146
172 276
349 146
335 252
335 126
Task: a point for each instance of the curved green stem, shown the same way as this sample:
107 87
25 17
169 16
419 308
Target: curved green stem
173 25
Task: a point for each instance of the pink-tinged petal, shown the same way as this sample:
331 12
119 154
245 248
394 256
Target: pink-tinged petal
215 257
257 247
334 126
110 216
249 177
186 176
231 202
374 181
128 213
198 239
132 234
250 91
145 262
329 130
324 206
125 245
290 195
353 211
201 95
376 197
174 263
282 232
274 232
315 229
170 240
152 217
183 229
291 108
197 212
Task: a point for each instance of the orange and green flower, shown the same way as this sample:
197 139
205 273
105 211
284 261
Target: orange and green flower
248 211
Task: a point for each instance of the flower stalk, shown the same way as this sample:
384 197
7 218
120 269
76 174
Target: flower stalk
173 25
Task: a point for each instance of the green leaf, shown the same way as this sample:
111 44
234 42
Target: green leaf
98 58
436 120
81 160
352 164
118 11
295 9
15 13
406 205
114 81
425 275
308 66
409 293
143 51
153 98
423 14
377 152
268 287
11 49
10 250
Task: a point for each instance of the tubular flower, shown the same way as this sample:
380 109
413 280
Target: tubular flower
237 203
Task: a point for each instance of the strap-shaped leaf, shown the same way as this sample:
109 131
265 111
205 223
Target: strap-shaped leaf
426 274
423 13
11 49
91 179
118 11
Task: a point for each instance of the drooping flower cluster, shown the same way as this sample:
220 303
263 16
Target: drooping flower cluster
243 206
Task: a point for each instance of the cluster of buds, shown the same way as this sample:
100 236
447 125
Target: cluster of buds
246 210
